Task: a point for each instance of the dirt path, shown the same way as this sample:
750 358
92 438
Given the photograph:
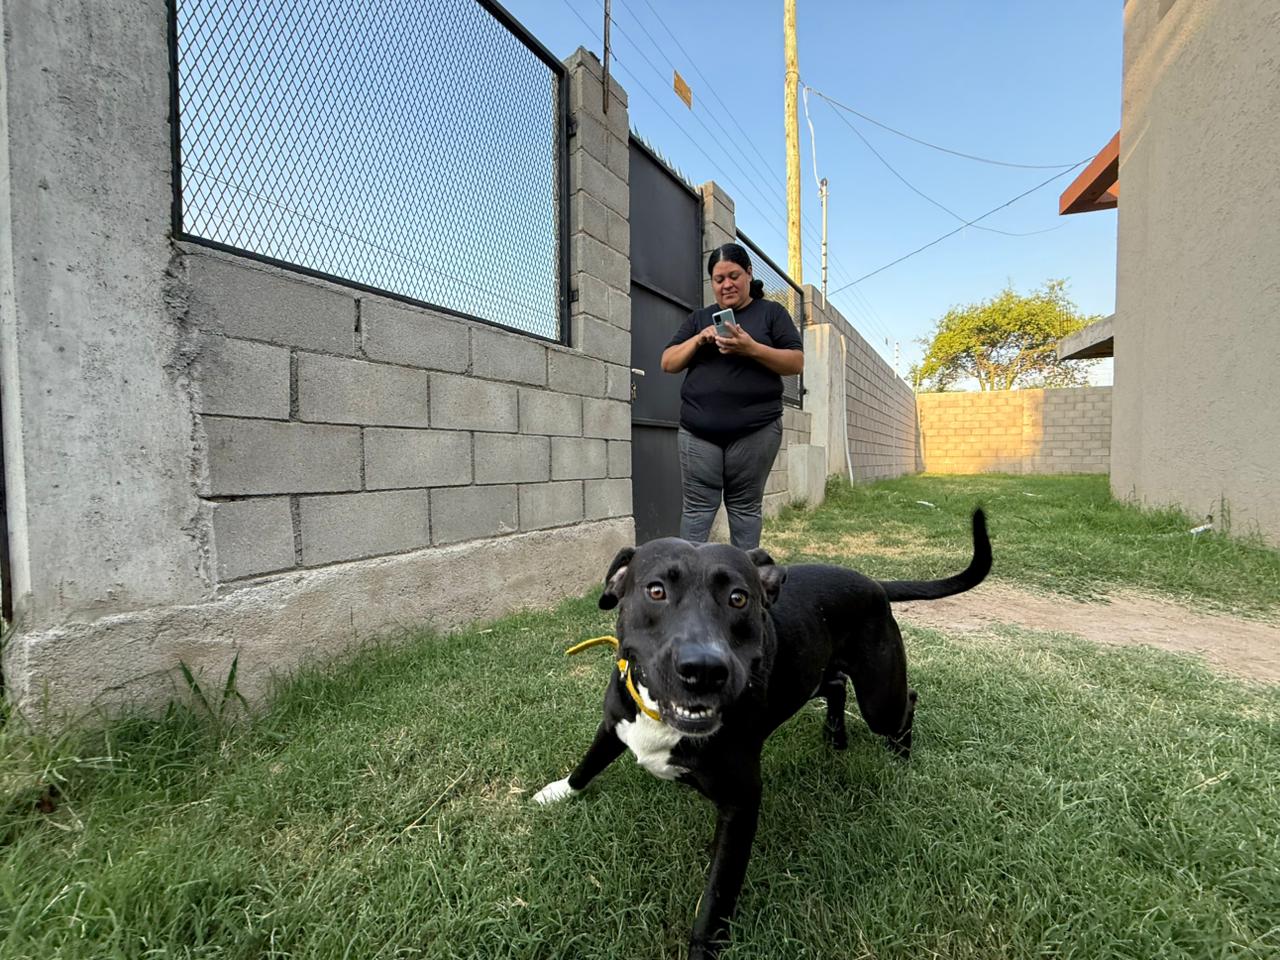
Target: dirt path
1245 648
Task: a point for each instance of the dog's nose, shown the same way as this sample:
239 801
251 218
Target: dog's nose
701 668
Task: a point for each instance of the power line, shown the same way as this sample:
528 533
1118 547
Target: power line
697 117
916 190
934 146
859 306
969 223
729 138
694 63
739 193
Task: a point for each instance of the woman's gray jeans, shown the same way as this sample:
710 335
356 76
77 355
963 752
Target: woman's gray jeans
737 473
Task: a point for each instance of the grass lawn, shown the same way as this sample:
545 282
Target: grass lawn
1063 800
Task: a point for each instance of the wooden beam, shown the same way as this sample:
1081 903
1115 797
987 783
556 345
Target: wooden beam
1098 186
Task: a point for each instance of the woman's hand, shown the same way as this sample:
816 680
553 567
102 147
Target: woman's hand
739 341
782 362
677 358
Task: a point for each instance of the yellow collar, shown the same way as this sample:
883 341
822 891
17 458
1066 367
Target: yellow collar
624 669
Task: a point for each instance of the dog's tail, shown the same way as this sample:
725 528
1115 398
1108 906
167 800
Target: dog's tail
969 578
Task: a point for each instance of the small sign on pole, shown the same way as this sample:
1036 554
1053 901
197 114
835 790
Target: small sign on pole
682 89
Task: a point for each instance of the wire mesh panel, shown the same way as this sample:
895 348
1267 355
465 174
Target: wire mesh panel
412 147
779 288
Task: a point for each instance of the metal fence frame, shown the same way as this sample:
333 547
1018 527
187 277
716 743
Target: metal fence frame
797 315
504 17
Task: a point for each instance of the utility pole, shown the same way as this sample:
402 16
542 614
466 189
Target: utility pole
822 193
607 7
794 258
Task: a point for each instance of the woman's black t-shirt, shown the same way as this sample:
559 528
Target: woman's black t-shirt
725 396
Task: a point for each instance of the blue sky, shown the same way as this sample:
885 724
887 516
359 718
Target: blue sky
1022 81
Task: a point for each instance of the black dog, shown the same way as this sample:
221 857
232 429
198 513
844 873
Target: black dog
714 655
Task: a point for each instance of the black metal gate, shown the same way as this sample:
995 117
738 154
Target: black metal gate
666 286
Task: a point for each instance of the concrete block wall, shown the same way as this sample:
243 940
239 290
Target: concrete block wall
270 468
1017 431
343 426
367 427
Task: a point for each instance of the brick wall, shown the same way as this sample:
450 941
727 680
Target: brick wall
1017 431
342 425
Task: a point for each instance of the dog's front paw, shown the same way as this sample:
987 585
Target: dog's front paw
703 950
553 792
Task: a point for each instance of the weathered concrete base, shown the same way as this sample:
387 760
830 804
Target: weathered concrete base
131 660
807 473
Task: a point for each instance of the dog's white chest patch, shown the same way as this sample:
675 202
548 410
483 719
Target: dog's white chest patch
651 742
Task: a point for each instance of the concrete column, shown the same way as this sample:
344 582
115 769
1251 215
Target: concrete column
719 226
102 452
825 382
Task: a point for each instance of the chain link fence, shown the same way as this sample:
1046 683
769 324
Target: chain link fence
779 288
414 148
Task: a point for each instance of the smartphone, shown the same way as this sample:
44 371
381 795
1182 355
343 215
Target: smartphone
722 319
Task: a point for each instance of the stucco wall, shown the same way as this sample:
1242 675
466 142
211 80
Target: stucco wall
1016 431
864 413
1197 342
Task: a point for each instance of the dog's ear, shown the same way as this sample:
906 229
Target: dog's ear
613 579
772 576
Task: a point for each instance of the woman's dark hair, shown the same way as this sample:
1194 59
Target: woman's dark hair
736 253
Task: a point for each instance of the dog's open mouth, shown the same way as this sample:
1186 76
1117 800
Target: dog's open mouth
694 718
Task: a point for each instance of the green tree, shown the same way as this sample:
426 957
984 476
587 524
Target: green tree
1006 342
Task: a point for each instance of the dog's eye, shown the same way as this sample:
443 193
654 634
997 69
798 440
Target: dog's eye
656 591
738 599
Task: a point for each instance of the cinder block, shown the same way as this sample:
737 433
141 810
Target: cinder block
620 229
569 372
512 458
591 134
550 504
356 525
416 458
574 458
252 536
262 456
619 459
472 513
618 158
553 414
595 338
237 299
598 259
618 383
461 403
239 378
507 356
607 498
587 214
610 419
337 390
594 297
414 336
586 173
619 309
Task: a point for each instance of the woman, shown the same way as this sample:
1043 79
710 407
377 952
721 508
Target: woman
731 401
